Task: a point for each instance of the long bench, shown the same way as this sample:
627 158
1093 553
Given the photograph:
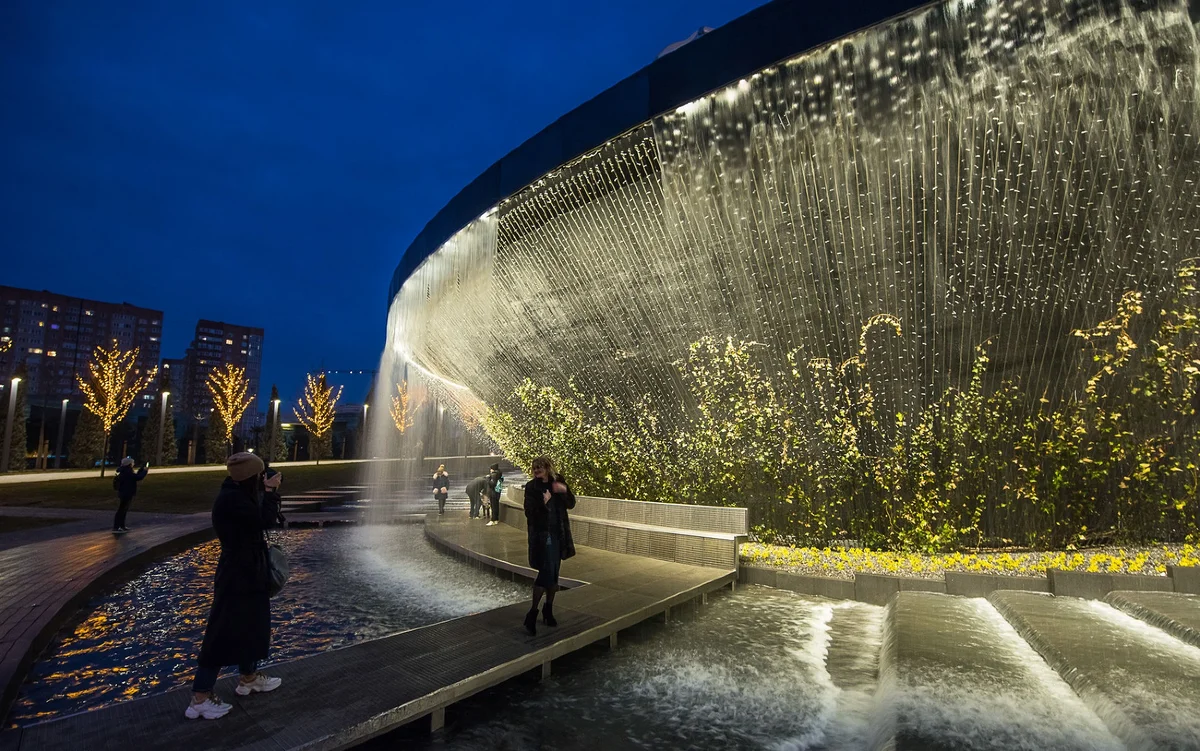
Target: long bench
695 535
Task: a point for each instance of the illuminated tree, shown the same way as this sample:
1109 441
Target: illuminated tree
114 381
317 410
402 414
228 387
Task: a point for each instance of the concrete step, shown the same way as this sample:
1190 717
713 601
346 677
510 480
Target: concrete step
1177 614
1144 683
954 674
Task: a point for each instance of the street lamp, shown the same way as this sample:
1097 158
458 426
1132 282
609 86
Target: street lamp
162 424
363 439
62 429
12 407
270 452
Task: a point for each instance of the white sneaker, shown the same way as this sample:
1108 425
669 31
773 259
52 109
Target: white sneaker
261 683
492 524
211 708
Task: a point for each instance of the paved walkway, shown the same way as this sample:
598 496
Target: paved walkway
47 573
345 696
14 478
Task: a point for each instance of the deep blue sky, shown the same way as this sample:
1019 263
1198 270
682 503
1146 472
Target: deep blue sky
267 162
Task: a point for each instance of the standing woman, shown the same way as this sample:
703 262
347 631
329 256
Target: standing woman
441 487
239 624
547 498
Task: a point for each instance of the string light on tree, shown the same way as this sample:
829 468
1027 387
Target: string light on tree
402 415
228 387
114 381
317 408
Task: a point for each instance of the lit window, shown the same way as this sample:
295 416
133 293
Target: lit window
229 341
35 350
243 352
43 305
154 338
41 324
55 308
202 362
89 313
52 353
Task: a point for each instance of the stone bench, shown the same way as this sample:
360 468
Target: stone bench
695 535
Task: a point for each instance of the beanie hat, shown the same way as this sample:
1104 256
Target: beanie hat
273 479
495 467
244 465
127 461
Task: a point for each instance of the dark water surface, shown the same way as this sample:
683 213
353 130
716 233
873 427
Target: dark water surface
347 584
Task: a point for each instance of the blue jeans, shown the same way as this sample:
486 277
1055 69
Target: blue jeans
551 560
206 677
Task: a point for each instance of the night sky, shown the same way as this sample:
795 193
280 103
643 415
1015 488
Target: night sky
267 162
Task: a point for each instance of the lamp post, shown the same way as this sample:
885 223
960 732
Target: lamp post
162 424
62 429
270 452
12 407
362 453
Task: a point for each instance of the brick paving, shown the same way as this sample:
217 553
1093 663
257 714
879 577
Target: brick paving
46 573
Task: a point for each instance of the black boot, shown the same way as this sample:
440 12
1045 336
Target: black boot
548 615
531 622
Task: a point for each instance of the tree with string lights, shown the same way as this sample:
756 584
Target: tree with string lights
402 415
228 386
317 409
114 381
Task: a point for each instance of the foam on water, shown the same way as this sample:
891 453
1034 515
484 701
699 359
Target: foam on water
1012 700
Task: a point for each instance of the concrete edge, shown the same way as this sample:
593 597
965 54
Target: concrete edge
103 581
494 563
1186 579
877 589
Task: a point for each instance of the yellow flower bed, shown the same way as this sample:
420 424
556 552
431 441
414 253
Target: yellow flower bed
844 562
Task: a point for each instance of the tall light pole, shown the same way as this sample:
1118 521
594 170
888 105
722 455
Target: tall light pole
362 452
12 407
162 424
270 453
62 429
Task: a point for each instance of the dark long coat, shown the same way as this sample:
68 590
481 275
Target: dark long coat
537 518
239 626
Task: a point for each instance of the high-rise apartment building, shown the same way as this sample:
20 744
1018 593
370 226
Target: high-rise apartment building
215 344
54 336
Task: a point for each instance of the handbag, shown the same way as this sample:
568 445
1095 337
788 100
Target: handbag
278 567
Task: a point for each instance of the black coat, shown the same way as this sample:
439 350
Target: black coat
537 519
441 484
494 477
127 481
272 509
239 626
476 487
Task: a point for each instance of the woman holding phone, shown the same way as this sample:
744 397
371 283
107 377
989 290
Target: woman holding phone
547 499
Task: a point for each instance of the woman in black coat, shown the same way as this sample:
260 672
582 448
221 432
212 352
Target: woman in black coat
239 625
547 498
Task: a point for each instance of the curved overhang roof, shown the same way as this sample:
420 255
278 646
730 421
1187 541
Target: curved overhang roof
762 37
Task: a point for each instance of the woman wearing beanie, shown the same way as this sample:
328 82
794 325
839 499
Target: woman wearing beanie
239 624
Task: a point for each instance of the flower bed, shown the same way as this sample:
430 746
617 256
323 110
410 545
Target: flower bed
844 563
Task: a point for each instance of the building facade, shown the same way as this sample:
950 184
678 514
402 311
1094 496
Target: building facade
215 344
54 336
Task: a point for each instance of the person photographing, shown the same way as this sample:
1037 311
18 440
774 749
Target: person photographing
547 499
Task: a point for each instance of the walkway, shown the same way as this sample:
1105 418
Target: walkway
14 478
44 581
345 696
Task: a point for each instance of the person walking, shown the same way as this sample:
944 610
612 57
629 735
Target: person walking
272 502
239 623
475 491
547 498
441 487
495 489
125 482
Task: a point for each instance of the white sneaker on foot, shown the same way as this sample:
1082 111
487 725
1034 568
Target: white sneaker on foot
261 683
492 524
211 708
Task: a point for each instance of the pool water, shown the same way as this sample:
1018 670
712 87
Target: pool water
347 584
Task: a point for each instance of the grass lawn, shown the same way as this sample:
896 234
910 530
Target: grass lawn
21 523
182 493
